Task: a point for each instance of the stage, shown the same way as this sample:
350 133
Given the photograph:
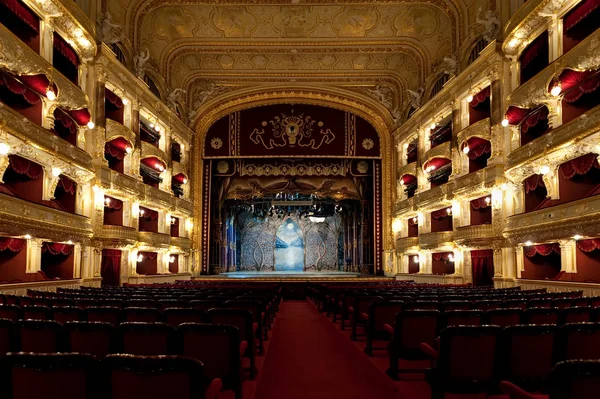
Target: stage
290 275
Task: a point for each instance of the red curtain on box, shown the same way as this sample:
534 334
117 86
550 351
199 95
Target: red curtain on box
38 83
113 98
534 118
113 204
480 97
480 203
442 213
542 249
65 120
174 227
174 266
575 84
148 255
437 163
581 11
441 255
117 148
67 184
589 245
413 227
515 115
533 182
11 244
81 116
110 268
408 179
65 49
535 49
482 262
411 153
19 88
478 147
149 214
23 13
579 166
55 248
25 167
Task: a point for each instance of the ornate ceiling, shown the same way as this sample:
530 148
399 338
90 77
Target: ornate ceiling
368 49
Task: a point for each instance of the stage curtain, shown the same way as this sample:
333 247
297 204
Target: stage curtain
579 13
542 249
55 248
26 167
579 166
589 245
110 268
23 13
482 262
11 244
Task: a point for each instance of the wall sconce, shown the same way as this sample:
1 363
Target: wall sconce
189 224
544 170
505 122
140 258
416 259
4 148
128 149
171 259
125 101
396 226
469 98
56 172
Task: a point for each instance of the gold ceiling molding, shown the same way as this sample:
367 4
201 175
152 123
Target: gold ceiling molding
302 95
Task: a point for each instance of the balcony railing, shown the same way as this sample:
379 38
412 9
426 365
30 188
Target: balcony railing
522 16
403 243
182 242
479 129
157 240
443 150
434 196
480 182
18 216
472 234
115 129
118 235
148 150
409 169
434 240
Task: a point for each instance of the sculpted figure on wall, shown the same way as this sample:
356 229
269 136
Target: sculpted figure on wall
111 32
417 97
490 23
139 63
174 97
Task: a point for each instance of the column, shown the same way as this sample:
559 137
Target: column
555 38
34 255
403 259
519 260
46 39
551 182
425 265
95 138
77 253
509 264
50 183
497 108
568 253
87 262
162 223
463 257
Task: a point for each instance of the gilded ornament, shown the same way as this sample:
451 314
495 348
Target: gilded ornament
223 167
362 167
368 144
216 143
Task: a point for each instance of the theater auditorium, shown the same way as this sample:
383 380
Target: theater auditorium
293 199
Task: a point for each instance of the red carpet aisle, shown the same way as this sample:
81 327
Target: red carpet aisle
309 358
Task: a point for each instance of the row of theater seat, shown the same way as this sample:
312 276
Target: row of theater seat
488 359
80 376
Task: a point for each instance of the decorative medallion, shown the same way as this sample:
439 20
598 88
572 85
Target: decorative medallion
292 130
367 144
223 167
362 166
216 143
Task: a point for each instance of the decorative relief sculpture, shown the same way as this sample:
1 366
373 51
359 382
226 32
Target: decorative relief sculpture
450 65
174 97
490 23
111 32
292 130
417 96
139 63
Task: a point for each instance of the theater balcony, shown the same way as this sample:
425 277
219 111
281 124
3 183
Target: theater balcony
475 235
18 216
480 182
19 57
117 236
407 179
523 13
579 217
154 240
23 133
403 243
401 207
115 183
433 197
115 129
436 239
183 243
149 150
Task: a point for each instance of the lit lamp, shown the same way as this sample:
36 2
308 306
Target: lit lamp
505 122
171 259
128 149
556 89
469 98
466 149
50 94
4 148
56 172
140 258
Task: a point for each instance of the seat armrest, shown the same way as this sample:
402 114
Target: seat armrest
389 329
214 388
243 347
254 327
429 351
364 316
516 392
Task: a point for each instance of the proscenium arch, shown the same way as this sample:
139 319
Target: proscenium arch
284 95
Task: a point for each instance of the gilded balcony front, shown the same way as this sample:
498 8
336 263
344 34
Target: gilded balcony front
182 243
118 183
117 236
156 240
20 59
535 90
443 150
115 129
434 196
472 235
148 150
437 239
478 183
524 16
42 146
183 206
18 216
579 217
404 206
403 243
179 168
479 129
408 169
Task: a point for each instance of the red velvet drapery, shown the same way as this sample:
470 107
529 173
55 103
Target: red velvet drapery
148 214
589 245
179 178
19 10
38 83
174 266
68 185
55 248
579 166
411 153
408 179
441 255
575 84
26 167
533 182
176 152
413 227
480 97
441 134
534 118
174 227
441 264
437 163
11 244
113 203
441 213
478 147
110 268
65 49
112 150
482 262
65 120
580 12
537 48
541 249
480 203
18 87
81 116
113 99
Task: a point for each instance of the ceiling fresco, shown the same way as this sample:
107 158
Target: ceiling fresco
376 50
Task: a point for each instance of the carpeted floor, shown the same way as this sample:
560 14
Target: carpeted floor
309 358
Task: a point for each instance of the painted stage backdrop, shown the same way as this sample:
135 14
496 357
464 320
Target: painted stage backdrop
288 244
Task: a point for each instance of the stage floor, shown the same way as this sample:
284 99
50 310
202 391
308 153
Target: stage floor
294 275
